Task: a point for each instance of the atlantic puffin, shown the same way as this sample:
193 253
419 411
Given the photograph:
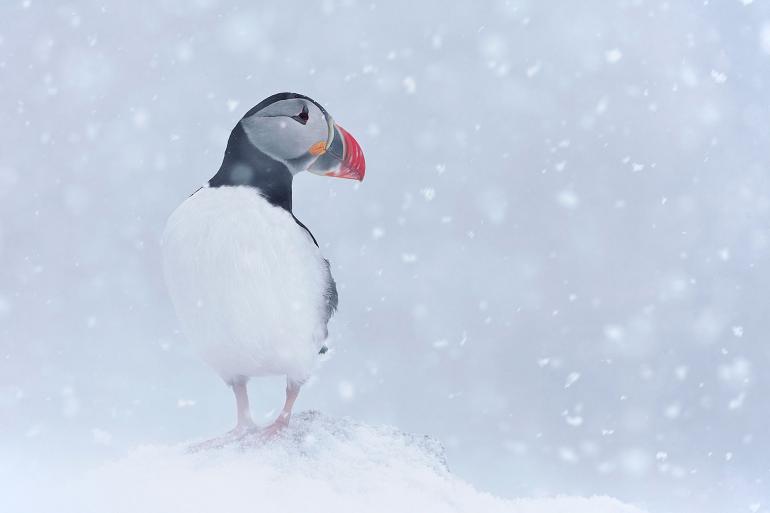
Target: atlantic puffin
249 284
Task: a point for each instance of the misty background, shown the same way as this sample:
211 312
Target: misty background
557 264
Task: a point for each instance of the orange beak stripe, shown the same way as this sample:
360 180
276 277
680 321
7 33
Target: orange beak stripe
318 148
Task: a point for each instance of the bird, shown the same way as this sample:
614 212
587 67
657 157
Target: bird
251 289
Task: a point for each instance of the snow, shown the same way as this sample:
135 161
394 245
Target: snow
114 112
613 56
320 464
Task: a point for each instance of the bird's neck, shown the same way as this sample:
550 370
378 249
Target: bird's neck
244 164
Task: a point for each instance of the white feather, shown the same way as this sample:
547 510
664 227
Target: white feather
247 283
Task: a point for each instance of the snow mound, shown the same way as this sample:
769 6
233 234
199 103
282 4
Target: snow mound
320 464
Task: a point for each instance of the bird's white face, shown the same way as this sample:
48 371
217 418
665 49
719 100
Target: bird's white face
288 129
300 134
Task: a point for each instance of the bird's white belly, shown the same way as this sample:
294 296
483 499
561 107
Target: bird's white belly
247 283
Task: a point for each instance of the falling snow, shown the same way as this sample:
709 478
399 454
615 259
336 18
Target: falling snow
556 265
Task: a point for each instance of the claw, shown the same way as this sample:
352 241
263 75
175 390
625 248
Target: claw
278 425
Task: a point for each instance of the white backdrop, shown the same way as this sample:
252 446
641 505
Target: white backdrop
557 263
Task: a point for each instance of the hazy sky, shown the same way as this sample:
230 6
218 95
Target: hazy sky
557 264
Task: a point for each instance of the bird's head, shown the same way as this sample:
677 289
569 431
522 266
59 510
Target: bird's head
297 131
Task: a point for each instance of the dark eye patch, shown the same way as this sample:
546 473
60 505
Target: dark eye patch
303 116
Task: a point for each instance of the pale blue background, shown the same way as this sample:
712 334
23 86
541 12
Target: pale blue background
557 264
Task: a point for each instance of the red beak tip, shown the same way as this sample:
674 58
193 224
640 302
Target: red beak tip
354 164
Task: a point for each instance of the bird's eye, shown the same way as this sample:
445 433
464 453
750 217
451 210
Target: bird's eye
303 116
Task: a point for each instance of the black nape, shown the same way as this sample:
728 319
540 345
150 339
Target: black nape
244 164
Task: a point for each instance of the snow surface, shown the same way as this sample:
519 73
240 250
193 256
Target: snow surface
554 188
320 464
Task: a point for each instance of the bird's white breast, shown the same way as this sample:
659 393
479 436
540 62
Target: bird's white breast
247 283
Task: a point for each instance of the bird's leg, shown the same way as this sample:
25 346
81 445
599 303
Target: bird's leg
244 421
292 391
244 425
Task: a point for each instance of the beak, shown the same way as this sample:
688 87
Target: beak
343 157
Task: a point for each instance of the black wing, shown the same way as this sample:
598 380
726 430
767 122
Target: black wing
330 294
332 299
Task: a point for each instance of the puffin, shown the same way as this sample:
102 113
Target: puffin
250 287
